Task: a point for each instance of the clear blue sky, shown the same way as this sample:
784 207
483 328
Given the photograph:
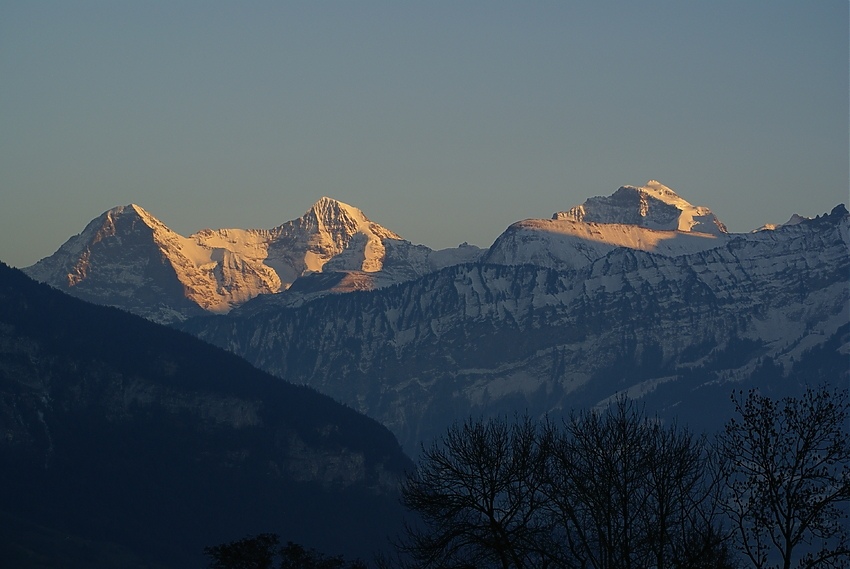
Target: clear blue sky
443 121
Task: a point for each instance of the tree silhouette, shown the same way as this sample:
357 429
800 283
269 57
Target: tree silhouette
477 491
260 552
627 492
257 552
604 490
788 478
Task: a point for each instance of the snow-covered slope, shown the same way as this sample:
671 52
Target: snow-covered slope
793 220
651 218
653 206
639 292
129 259
768 309
330 230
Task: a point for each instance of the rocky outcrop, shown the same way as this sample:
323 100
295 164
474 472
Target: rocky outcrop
129 259
653 206
487 338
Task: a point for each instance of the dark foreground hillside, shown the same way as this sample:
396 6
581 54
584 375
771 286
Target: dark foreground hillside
125 443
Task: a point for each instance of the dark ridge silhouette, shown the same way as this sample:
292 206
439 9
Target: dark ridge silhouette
121 439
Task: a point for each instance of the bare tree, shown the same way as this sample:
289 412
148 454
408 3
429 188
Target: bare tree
477 491
610 490
682 516
788 478
628 492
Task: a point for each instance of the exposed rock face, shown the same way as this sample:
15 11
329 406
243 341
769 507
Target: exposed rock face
650 218
129 259
125 258
653 206
330 230
638 292
505 338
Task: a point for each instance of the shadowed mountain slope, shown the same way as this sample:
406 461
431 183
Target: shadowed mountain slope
136 439
677 330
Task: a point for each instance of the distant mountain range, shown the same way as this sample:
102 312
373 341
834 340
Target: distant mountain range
639 292
129 259
124 443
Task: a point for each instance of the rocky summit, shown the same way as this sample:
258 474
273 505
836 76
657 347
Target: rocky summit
129 259
679 331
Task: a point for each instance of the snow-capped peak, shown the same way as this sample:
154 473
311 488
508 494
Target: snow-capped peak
663 193
105 226
795 219
127 216
328 210
142 212
342 220
329 207
126 257
131 210
653 206
329 229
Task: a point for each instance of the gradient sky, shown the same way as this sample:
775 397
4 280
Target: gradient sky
443 121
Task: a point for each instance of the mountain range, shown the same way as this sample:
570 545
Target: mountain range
128 258
638 292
